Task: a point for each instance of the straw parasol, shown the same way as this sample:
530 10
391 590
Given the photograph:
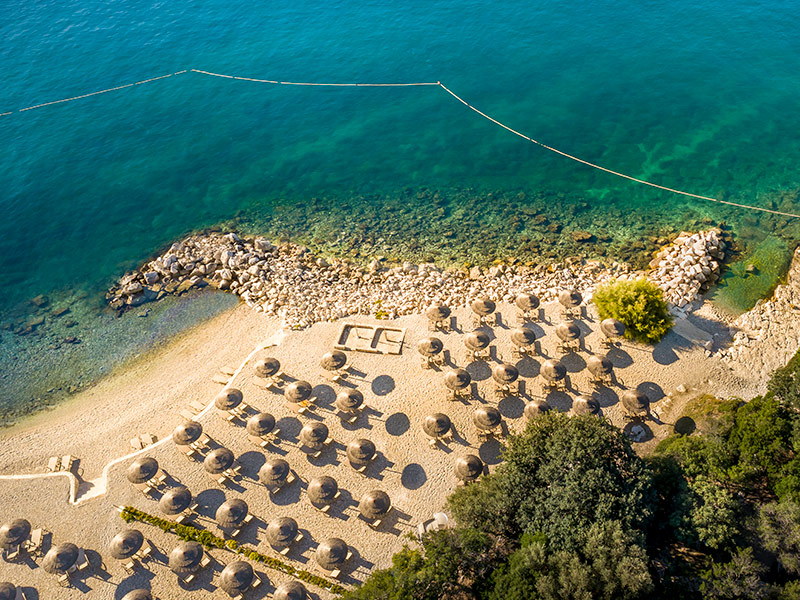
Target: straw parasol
187 433
291 590
612 327
322 490
534 408
14 532
570 298
314 434
260 424
374 504
505 374
430 346
457 379
274 472
599 365
526 302
468 467
523 336
635 402
236 578
297 391
60 558
436 425
140 594
567 332
486 418
438 312
231 513
349 400
8 591
482 307
333 361
228 399
267 367
360 451
175 500
585 405
142 469
281 531
331 553
553 370
218 460
476 340
185 557
126 543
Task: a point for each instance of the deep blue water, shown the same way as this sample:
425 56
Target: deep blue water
696 95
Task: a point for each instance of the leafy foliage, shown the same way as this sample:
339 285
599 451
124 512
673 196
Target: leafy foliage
785 384
639 304
738 579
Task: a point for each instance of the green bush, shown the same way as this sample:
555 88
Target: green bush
639 305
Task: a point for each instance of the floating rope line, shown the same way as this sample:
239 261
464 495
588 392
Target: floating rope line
454 95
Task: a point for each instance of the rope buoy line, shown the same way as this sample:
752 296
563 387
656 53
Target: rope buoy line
419 84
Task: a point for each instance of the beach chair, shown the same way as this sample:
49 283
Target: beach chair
129 566
145 551
188 415
186 579
53 463
34 544
205 561
506 390
63 580
148 439
197 405
83 562
136 443
488 320
11 554
67 462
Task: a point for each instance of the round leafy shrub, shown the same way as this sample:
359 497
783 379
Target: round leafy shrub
638 304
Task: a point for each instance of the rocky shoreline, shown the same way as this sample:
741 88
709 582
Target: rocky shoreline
290 282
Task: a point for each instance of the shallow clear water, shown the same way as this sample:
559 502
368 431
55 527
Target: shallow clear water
698 96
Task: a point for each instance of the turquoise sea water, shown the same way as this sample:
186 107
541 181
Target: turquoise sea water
696 95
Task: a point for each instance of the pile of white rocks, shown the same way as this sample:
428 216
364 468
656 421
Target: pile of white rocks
687 267
289 282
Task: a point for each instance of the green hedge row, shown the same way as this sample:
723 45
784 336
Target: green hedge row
209 540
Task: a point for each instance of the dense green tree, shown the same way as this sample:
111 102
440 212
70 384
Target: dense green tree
737 579
715 514
779 532
785 384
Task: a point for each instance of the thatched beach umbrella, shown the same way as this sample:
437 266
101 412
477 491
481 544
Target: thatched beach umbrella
297 391
430 346
175 500
483 306
236 578
476 340
457 379
260 424
187 433
568 332
585 405
468 467
553 370
140 594
218 460
486 418
314 434
599 365
374 505
349 400
523 336
635 402
8 591
185 557
323 490
331 553
333 361
267 367
360 451
13 533
436 425
534 408
612 328
231 513
142 470
291 590
570 298
526 302
281 531
60 558
438 312
274 472
505 374
228 399
126 543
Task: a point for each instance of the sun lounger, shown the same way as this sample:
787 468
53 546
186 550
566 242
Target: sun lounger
136 443
187 579
188 415
145 551
227 370
63 580
129 566
11 554
148 439
53 464
221 378
82 562
197 405
67 462
188 451
205 561
34 543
